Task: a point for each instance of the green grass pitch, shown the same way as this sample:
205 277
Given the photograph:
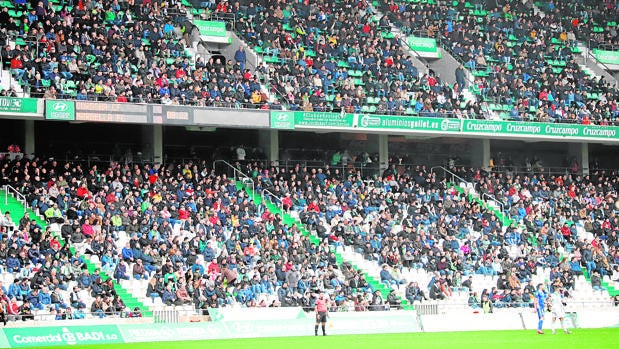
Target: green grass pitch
580 338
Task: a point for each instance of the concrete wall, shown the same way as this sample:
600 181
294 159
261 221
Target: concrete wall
513 319
446 67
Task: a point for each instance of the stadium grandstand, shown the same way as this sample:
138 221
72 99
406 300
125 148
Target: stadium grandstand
173 160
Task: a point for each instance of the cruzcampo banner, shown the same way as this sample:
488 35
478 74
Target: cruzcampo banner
211 28
422 44
538 129
607 57
15 105
67 335
59 109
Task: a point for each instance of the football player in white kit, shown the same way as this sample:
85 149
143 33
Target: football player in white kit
557 308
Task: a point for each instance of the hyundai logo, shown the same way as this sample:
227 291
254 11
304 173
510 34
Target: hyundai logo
60 107
282 117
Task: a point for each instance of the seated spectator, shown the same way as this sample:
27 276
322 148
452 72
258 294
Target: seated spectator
75 299
121 271
474 301
139 271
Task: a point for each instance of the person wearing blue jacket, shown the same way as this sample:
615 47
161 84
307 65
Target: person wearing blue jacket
127 253
84 280
209 253
121 271
45 299
13 264
14 290
33 298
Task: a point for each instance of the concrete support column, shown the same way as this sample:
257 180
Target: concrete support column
158 143
480 154
29 138
580 152
383 151
152 143
269 141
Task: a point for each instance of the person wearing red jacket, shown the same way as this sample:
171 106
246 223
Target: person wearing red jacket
17 67
83 192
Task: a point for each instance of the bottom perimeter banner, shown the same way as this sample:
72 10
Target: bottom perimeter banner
339 323
18 337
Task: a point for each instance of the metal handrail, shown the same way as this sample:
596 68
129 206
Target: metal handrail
244 178
453 175
19 196
236 170
493 198
278 202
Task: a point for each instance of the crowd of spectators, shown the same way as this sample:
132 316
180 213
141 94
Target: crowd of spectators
200 240
519 57
411 218
594 22
122 51
193 234
341 56
323 56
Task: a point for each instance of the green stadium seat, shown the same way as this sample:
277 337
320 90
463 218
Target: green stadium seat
271 59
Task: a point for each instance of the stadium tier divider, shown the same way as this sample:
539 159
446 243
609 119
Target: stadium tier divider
17 209
289 220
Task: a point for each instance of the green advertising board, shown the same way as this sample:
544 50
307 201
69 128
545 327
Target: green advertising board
607 57
211 28
446 126
282 120
340 323
422 44
539 129
59 109
15 105
68 335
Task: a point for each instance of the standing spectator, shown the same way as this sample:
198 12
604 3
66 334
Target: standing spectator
461 77
240 56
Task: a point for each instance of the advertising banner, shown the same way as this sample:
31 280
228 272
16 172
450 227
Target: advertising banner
422 44
539 129
211 28
282 120
607 57
339 323
448 126
15 105
290 120
69 335
59 109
